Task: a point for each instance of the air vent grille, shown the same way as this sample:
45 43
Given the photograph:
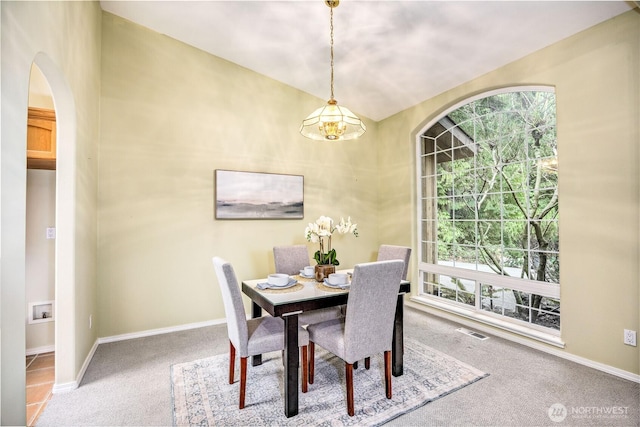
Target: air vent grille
472 334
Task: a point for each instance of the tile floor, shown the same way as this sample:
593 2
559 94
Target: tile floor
40 378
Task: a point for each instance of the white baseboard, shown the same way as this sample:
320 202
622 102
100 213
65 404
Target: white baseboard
529 343
40 350
62 388
160 331
70 386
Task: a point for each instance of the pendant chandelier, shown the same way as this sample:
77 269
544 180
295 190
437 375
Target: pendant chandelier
332 122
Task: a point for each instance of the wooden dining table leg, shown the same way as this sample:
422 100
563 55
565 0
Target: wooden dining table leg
397 345
291 362
256 311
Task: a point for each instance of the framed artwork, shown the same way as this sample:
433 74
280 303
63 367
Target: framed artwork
258 195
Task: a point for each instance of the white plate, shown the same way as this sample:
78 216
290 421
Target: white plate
331 285
290 283
305 276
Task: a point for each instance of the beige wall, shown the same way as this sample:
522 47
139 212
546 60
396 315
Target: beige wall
39 90
40 255
172 114
597 79
64 40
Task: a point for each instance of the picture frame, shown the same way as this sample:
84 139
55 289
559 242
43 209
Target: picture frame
258 195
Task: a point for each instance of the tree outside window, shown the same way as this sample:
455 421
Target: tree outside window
489 195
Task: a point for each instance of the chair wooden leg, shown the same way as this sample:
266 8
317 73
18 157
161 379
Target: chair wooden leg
312 350
387 373
305 368
367 362
243 380
349 378
232 361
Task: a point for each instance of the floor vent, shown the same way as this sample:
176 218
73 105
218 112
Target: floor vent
472 334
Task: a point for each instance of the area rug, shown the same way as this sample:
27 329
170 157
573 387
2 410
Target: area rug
202 395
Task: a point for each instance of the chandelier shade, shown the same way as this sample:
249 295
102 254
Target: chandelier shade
332 122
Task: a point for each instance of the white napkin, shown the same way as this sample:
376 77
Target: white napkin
267 285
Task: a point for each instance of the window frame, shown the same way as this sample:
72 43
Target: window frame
475 312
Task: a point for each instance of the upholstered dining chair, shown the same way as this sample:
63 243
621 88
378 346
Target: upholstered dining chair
367 329
389 252
254 336
290 260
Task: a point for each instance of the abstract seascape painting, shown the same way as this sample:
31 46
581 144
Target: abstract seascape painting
257 195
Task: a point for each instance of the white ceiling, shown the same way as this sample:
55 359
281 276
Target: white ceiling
389 55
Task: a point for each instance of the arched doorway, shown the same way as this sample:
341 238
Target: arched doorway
40 245
65 187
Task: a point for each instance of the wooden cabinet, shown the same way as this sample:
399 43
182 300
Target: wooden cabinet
41 139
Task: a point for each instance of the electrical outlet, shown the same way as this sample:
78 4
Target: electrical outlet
51 233
630 337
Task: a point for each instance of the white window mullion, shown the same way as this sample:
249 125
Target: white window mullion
544 289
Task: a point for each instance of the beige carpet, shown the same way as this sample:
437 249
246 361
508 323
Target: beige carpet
202 396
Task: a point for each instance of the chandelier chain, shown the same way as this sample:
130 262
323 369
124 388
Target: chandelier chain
331 27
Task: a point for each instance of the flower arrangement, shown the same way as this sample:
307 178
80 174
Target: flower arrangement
321 232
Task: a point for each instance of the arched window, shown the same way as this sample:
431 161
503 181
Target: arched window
489 209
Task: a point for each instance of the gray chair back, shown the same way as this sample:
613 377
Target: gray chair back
389 252
233 307
371 309
290 259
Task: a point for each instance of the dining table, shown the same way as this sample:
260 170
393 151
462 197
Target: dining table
307 294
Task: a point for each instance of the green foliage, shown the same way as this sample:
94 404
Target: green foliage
327 259
500 195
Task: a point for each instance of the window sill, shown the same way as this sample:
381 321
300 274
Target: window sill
523 331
